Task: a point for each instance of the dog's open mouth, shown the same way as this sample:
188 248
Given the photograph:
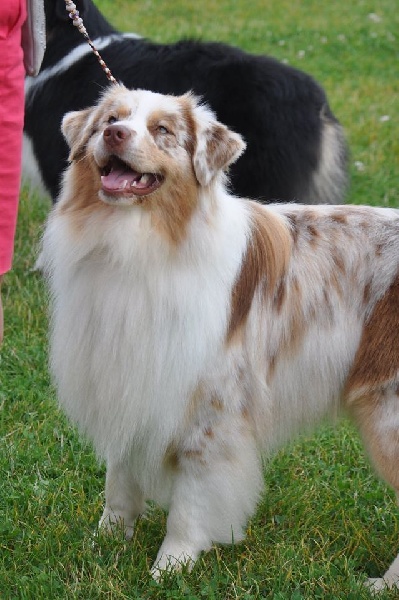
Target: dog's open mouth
117 178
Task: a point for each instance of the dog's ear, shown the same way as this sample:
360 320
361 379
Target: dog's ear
216 146
77 129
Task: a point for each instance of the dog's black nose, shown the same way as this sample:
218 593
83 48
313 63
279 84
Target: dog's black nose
116 134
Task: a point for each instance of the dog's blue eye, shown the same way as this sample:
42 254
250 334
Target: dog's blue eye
112 120
162 129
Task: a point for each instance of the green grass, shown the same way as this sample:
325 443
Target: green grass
325 520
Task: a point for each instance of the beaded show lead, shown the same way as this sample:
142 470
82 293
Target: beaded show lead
78 22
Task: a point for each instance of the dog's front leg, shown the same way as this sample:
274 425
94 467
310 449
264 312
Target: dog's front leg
216 489
186 537
124 500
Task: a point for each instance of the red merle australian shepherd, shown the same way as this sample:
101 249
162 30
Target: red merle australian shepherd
194 331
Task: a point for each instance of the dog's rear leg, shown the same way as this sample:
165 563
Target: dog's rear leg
124 500
377 416
216 489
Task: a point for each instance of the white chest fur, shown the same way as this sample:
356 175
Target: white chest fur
135 327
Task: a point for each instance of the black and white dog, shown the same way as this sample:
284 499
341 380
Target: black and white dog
296 149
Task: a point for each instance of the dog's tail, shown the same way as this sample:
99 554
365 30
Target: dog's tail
330 179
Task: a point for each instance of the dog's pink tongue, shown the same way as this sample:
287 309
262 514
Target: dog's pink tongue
119 179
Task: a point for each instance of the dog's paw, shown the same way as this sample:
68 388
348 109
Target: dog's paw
172 563
114 524
380 584
376 584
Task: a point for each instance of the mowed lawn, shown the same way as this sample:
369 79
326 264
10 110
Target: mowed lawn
324 520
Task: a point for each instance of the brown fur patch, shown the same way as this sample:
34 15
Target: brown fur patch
195 404
379 249
220 146
265 263
313 235
377 358
297 324
271 367
171 459
172 207
76 131
83 194
294 227
380 440
303 226
339 263
123 111
217 403
367 293
340 218
172 212
280 295
174 123
113 105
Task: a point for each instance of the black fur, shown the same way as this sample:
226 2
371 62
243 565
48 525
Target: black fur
280 111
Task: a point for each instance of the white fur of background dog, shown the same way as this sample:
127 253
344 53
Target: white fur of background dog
193 331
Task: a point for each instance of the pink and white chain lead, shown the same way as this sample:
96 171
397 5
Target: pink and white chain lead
78 22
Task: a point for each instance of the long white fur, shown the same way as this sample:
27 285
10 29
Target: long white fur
142 363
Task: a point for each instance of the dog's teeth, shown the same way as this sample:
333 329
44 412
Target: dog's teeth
124 183
133 184
145 178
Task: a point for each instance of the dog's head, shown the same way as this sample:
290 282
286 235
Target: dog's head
141 145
